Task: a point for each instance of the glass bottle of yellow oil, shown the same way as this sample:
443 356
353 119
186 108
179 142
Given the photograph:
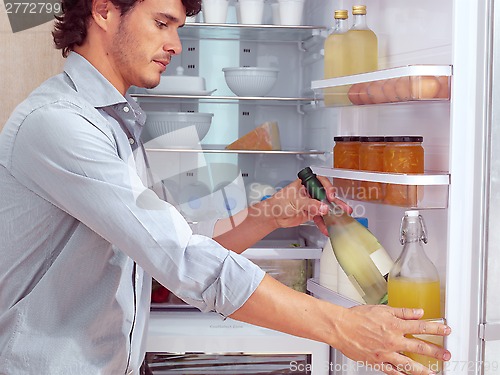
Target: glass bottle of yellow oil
413 280
336 61
363 43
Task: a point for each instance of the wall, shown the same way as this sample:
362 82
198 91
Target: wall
27 58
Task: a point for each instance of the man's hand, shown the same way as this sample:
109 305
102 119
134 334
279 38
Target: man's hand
292 205
377 335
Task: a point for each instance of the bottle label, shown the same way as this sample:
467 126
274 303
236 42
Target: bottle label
382 260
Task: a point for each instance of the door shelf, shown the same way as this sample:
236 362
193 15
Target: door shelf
411 83
426 179
259 33
325 294
428 190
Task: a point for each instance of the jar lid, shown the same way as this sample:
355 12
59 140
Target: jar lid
372 138
404 138
349 138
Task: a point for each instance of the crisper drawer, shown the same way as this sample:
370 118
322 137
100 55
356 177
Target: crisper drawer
205 364
190 331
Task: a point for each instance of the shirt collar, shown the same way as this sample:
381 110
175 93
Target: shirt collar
90 83
95 88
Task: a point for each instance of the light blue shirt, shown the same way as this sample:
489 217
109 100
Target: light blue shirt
81 235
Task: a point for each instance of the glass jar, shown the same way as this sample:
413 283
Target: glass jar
403 154
371 158
346 156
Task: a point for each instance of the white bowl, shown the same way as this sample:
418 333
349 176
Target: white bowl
182 129
250 81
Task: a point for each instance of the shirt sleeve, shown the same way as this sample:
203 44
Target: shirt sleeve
77 166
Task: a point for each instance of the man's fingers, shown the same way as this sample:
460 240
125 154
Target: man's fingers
408 314
426 327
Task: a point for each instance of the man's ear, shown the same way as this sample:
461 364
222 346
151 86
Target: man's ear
100 12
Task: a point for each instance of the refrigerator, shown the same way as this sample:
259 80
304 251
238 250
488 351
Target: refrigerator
453 38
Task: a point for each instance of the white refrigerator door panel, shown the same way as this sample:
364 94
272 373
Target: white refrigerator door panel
491 315
466 215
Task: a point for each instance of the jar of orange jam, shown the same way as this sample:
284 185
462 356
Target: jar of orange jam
371 158
403 154
346 156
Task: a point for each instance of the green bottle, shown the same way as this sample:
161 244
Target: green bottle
361 256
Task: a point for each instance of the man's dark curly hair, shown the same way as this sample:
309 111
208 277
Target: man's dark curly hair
70 28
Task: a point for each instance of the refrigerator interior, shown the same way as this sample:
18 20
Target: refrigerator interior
446 33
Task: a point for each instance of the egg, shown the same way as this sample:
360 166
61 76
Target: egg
403 89
375 92
389 89
353 94
363 93
444 89
424 87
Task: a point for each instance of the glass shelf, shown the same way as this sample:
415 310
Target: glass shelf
209 150
281 249
428 190
260 33
412 83
224 99
325 294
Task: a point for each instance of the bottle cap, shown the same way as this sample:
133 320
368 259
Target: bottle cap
340 14
359 9
412 213
305 173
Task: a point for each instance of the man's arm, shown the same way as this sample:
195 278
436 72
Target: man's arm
374 335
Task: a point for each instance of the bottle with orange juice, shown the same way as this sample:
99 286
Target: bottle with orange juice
413 280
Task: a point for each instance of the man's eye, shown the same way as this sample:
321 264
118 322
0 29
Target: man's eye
160 24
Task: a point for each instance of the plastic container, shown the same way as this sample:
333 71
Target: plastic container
402 89
275 8
215 11
371 158
403 154
291 12
346 156
291 272
251 11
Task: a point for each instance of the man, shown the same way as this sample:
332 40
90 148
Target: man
82 234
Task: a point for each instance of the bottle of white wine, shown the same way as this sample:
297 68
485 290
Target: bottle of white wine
361 256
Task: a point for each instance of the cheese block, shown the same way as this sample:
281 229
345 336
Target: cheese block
265 137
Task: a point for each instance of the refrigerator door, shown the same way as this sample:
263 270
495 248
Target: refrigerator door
490 328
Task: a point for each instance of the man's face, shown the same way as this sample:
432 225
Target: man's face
145 40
